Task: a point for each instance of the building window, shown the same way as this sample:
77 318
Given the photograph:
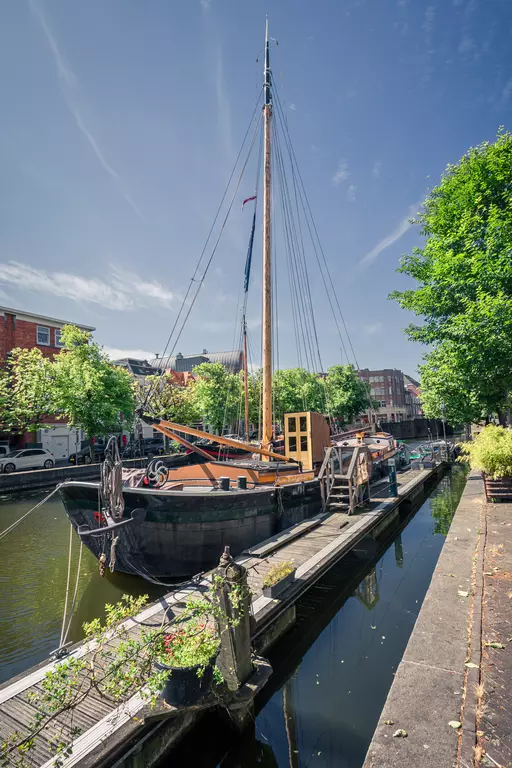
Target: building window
43 336
292 442
292 425
382 403
303 423
303 442
58 342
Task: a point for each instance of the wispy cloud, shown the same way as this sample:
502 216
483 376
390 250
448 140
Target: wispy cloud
372 328
118 354
342 174
205 4
376 170
351 193
389 240
507 91
292 107
69 87
466 45
223 105
117 290
428 24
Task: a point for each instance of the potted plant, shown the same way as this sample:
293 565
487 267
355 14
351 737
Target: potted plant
278 578
491 453
188 656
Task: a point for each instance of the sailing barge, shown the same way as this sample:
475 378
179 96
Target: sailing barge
162 522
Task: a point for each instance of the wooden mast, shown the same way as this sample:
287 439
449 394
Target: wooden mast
267 265
246 381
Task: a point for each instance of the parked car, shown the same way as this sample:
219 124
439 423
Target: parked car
83 456
28 458
148 446
4 450
154 446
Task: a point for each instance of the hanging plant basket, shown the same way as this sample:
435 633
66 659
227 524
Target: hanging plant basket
186 686
499 489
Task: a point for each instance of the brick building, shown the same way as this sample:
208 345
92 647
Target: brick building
413 397
387 388
28 330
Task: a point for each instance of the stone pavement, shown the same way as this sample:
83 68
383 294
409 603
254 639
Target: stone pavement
494 712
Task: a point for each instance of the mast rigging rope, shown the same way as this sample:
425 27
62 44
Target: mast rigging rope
194 279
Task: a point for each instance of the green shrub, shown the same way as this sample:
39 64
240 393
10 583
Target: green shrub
490 451
278 572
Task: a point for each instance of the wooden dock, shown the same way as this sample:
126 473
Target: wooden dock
117 735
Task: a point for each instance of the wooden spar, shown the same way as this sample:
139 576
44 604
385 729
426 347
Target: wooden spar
186 443
267 266
163 425
246 382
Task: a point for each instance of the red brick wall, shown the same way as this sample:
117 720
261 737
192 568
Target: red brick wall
21 333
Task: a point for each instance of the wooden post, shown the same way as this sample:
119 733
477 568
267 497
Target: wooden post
267 265
233 623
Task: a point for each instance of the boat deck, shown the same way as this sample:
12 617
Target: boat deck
106 727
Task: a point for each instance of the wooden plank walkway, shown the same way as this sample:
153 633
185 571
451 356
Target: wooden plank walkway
313 548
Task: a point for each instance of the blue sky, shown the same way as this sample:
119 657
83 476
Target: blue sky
121 121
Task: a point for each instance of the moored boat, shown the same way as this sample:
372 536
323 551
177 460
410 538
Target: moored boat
173 522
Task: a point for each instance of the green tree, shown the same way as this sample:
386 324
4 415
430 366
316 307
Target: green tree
295 390
217 395
347 395
169 401
25 390
88 390
464 284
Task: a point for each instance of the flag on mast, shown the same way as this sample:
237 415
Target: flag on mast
248 200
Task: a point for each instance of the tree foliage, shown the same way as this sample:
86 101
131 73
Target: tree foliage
347 395
295 390
87 389
464 285
169 401
217 395
25 390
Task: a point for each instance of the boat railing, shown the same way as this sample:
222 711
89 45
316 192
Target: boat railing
332 476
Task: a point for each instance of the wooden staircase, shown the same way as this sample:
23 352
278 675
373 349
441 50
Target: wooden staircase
339 497
343 491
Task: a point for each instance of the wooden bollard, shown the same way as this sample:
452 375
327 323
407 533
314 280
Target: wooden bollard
233 621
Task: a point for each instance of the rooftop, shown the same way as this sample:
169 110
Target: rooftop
21 314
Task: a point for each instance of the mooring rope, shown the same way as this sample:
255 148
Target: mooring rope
14 525
64 633
67 584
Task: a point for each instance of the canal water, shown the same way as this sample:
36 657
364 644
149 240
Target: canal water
33 573
332 671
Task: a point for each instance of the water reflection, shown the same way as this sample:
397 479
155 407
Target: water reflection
334 668
33 570
368 590
445 502
399 551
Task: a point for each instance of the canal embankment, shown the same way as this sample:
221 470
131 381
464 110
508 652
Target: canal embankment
450 701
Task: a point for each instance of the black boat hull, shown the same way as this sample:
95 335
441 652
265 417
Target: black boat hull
185 533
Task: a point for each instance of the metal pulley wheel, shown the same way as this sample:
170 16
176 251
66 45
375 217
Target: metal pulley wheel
156 473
